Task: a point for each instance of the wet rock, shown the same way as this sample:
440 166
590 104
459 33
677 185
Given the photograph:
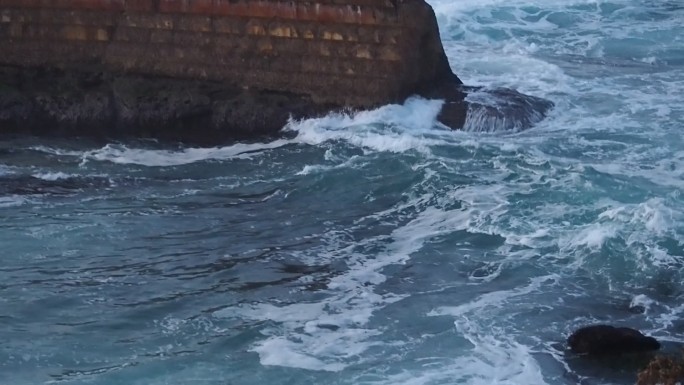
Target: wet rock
480 109
610 340
662 370
503 109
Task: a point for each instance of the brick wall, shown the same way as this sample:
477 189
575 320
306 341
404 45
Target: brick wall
347 52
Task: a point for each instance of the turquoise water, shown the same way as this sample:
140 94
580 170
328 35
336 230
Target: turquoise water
376 248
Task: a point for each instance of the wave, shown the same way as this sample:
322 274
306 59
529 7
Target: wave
6 170
160 158
392 128
54 176
332 333
50 183
495 299
12 201
494 358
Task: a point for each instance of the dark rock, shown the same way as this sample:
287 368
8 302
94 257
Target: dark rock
480 109
662 370
610 340
43 101
503 109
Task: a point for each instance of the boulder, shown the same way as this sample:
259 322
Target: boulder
610 340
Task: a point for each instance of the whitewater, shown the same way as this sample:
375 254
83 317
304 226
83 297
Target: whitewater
370 248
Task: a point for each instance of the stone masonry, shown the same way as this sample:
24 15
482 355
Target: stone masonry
211 71
357 53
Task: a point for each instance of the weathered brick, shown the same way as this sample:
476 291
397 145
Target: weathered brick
161 36
148 21
16 30
132 34
190 38
353 52
230 25
193 23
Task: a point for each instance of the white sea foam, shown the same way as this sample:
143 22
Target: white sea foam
642 300
391 128
492 361
664 173
12 201
279 351
528 240
494 299
593 236
56 151
492 358
496 358
642 226
352 161
653 216
303 339
158 158
53 176
670 316
6 170
299 341
313 168
318 336
415 113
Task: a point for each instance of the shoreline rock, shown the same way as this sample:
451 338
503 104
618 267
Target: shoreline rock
664 370
604 340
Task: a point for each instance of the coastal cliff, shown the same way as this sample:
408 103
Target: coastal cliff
213 69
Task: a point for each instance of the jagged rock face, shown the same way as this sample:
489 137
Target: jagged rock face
211 70
610 340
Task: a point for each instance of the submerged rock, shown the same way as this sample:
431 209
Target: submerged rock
610 340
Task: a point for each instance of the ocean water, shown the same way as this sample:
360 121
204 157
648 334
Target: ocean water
376 248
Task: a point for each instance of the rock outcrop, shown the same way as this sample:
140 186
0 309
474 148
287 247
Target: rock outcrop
662 370
210 70
610 340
